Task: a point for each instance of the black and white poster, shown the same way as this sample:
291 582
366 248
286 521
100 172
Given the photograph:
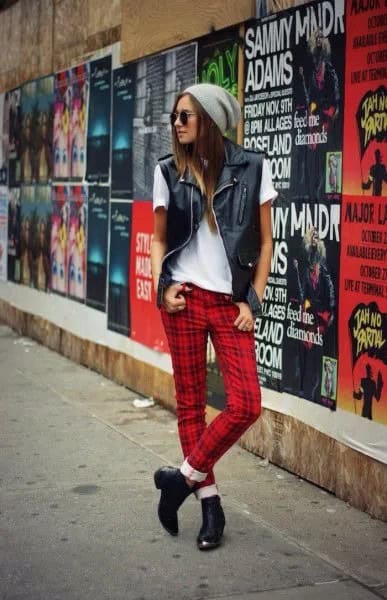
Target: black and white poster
159 79
293 111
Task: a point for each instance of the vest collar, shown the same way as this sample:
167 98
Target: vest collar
234 156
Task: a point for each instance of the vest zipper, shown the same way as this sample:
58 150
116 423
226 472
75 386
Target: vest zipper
231 184
242 205
226 185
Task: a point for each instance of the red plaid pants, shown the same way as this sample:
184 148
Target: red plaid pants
187 330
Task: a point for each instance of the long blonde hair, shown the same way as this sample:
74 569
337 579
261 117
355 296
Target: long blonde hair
205 165
314 253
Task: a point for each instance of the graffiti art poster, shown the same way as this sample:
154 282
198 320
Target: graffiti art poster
159 79
4 137
29 113
78 120
43 154
365 171
122 131
61 127
37 98
97 246
3 232
363 308
98 129
60 216
14 235
27 227
218 62
77 243
118 291
294 80
12 100
41 237
146 325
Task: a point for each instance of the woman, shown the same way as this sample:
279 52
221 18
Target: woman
316 294
211 222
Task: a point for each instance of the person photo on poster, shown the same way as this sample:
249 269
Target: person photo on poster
41 234
61 125
43 155
367 328
4 137
42 258
28 222
59 238
209 195
323 97
77 246
25 252
78 115
333 173
317 303
329 381
44 150
26 155
14 142
368 390
14 235
157 80
377 175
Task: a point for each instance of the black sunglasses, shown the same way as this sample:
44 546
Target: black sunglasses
183 116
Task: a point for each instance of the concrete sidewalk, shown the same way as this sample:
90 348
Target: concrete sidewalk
78 506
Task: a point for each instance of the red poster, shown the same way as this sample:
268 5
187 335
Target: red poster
363 272
365 124
363 308
146 325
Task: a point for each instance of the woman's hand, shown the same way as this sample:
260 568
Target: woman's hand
244 321
174 299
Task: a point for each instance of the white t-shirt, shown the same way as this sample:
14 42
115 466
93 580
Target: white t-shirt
203 261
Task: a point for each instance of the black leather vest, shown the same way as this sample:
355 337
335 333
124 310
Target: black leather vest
236 208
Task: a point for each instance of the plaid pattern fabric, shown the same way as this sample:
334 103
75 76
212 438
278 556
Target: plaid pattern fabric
214 314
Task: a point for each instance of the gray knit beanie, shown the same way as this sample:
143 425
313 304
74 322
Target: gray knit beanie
218 103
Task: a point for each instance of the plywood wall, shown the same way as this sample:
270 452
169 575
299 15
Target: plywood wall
44 36
149 26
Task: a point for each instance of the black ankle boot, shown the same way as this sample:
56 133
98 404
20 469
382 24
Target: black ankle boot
211 531
174 490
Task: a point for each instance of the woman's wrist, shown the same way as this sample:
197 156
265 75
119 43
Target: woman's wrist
156 278
259 292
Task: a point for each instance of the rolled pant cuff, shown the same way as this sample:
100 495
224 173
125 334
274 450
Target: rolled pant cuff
207 491
191 473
